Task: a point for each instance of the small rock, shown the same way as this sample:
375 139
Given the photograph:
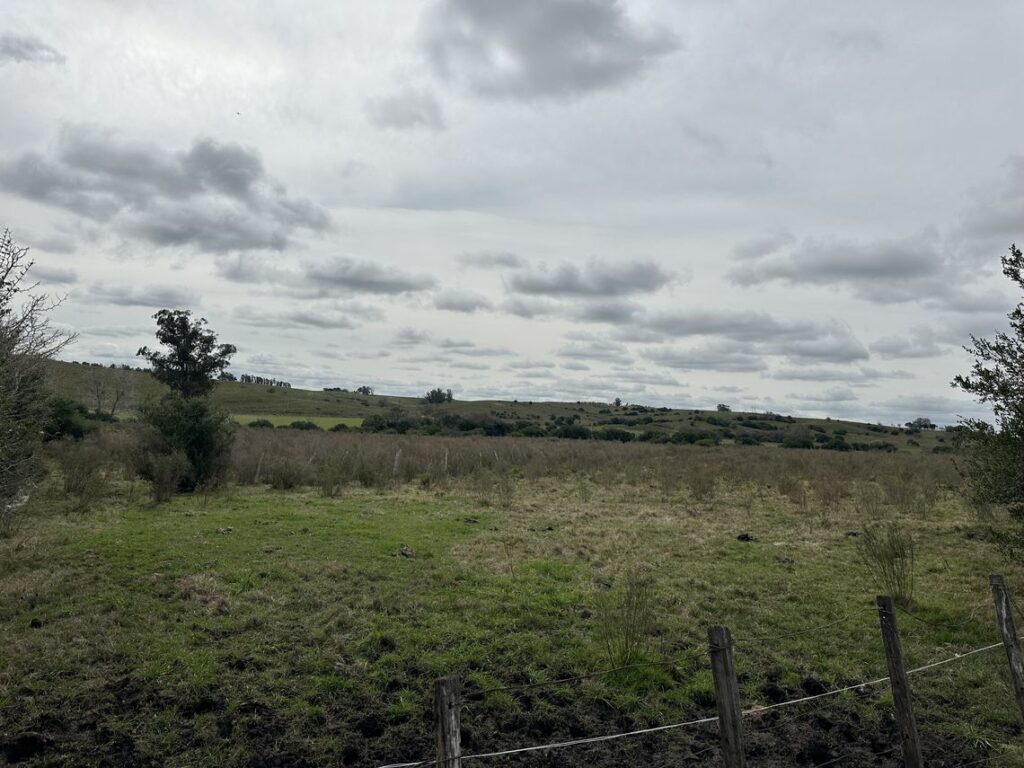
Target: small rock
36 623
745 537
406 551
225 531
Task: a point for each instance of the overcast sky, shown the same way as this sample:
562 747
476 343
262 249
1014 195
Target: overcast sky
796 206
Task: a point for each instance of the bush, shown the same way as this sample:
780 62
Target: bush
195 429
83 468
261 424
68 419
888 549
166 472
305 425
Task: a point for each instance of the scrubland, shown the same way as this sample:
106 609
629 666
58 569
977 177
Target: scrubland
299 615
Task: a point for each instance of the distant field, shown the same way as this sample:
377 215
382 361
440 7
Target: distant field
92 385
324 422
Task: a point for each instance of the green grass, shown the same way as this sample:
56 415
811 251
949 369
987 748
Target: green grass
251 626
324 422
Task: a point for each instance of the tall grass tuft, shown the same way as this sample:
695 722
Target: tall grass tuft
626 618
888 550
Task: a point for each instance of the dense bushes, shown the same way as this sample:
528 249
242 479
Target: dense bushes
188 428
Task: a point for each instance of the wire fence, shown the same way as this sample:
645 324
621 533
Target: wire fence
1010 643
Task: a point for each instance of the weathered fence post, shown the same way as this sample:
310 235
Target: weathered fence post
1009 633
727 697
448 713
900 685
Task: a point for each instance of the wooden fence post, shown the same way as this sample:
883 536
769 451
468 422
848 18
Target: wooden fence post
1009 633
900 685
448 713
727 697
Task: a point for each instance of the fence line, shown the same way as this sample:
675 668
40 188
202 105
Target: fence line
720 647
702 720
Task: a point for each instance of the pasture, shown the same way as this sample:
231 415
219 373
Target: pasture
299 616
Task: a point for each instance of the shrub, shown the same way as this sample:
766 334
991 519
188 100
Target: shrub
68 419
166 473
83 466
888 550
306 425
195 429
261 424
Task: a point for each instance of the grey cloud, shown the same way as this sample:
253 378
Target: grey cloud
855 377
54 274
832 395
607 351
737 324
365 276
455 300
762 246
528 365
722 356
608 312
410 337
998 215
26 48
538 49
405 110
215 196
529 307
595 279
644 377
575 365
882 271
922 341
306 317
153 296
490 259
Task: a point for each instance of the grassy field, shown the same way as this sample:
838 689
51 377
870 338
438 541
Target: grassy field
261 627
324 422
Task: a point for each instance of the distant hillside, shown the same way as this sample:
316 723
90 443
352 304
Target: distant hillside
97 386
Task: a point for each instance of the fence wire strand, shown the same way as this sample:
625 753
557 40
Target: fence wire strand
699 721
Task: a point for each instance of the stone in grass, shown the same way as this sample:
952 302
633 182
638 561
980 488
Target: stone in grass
225 531
745 537
406 551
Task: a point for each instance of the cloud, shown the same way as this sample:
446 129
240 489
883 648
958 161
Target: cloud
529 307
922 341
410 337
996 215
721 356
490 259
26 48
347 316
831 395
606 351
881 271
862 376
455 300
363 276
54 274
594 279
153 296
406 110
615 312
214 196
538 49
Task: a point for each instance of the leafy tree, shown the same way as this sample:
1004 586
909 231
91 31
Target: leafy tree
184 423
436 396
26 341
995 452
365 390
194 358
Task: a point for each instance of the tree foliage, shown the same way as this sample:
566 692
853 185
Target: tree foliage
26 340
194 358
996 451
191 440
